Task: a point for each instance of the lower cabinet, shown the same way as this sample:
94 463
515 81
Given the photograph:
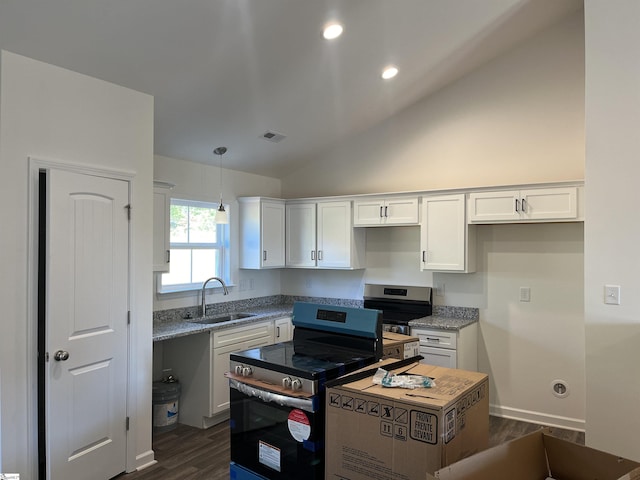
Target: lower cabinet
283 329
200 362
449 348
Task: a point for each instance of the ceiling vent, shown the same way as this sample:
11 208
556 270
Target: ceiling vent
273 136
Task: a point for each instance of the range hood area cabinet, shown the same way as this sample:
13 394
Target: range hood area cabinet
550 204
320 234
376 212
262 232
447 242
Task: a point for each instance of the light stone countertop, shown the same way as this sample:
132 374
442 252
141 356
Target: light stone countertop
168 324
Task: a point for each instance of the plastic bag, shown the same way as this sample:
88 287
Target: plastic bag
387 379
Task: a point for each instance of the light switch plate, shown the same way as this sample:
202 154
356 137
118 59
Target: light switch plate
525 294
612 294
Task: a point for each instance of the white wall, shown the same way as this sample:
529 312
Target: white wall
518 119
54 114
202 182
612 230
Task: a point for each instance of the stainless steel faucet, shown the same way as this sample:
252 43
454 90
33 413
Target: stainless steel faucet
224 289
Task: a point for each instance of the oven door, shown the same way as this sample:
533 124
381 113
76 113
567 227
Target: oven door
276 436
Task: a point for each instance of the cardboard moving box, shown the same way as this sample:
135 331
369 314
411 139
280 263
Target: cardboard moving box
397 345
539 456
374 432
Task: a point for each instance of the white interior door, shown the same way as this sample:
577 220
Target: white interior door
87 285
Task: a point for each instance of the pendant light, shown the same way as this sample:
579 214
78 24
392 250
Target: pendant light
221 214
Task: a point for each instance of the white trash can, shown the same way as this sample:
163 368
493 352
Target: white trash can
166 399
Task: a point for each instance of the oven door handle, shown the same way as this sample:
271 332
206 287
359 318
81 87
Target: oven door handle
306 404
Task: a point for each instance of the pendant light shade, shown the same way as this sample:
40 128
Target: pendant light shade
221 213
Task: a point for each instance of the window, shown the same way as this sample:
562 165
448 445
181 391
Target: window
199 247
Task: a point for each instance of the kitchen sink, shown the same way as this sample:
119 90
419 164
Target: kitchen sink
225 317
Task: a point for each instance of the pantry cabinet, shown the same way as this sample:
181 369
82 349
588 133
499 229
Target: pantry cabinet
262 230
447 242
377 212
321 235
161 227
525 205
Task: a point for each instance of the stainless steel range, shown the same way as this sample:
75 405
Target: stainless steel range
277 391
399 304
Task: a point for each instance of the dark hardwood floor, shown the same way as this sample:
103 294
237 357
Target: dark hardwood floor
188 453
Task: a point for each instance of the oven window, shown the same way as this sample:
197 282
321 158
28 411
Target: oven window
263 439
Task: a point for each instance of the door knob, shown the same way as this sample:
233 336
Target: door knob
61 356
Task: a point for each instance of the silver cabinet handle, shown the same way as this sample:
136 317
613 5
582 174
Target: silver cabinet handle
424 255
380 211
168 256
313 254
319 254
523 205
61 356
385 211
264 255
517 205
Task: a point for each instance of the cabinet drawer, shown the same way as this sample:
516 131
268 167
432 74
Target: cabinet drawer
436 338
442 357
243 333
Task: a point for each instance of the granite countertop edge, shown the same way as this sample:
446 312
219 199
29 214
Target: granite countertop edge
171 324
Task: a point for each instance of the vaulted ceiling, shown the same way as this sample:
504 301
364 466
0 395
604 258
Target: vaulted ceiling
224 72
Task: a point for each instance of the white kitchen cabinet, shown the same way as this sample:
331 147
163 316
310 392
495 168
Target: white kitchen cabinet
321 235
199 361
261 232
283 329
525 205
224 343
161 226
447 242
377 212
449 348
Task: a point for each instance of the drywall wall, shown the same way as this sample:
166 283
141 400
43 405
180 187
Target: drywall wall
54 114
195 181
612 230
517 119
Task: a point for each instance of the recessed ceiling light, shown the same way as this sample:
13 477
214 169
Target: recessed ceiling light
332 30
389 72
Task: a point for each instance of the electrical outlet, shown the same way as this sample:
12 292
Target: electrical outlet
612 294
251 284
525 294
439 289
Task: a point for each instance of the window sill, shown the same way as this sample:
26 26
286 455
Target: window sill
194 287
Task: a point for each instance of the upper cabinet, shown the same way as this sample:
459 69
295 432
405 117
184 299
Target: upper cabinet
262 229
161 232
447 242
376 212
527 205
321 235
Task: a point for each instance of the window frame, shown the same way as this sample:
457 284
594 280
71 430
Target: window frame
222 244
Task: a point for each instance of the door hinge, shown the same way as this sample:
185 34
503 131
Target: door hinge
128 207
128 317
127 424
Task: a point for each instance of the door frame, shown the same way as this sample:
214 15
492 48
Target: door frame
35 165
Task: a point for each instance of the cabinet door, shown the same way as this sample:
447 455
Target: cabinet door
219 383
283 329
334 235
443 233
401 211
488 207
549 203
161 209
272 234
300 228
367 213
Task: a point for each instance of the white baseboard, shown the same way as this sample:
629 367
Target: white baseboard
568 423
145 460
